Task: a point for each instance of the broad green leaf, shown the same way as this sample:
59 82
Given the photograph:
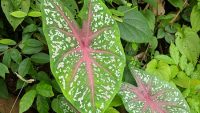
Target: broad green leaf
148 14
32 46
6 59
3 88
18 14
27 101
87 62
3 47
189 44
174 71
7 42
16 3
24 67
116 12
61 105
15 55
170 28
189 69
196 73
44 89
152 2
164 58
153 43
56 86
14 67
195 18
177 3
20 84
174 53
40 58
169 37
184 81
42 76
8 7
29 29
3 70
161 33
34 14
159 69
183 62
152 95
111 110
42 104
135 27
71 5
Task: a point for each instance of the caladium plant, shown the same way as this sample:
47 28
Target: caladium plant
152 95
87 61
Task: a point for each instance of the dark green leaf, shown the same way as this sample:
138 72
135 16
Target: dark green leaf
7 59
148 14
40 58
152 2
30 28
15 55
56 86
3 70
42 76
32 46
27 101
3 88
42 104
161 33
20 84
135 27
177 3
3 47
44 89
24 67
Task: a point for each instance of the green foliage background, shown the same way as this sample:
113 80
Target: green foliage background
159 36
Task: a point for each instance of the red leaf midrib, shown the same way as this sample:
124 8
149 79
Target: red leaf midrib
84 37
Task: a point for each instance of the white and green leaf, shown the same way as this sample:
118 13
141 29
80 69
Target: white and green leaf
152 95
87 62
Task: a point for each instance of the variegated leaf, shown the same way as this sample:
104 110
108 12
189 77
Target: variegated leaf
86 61
152 95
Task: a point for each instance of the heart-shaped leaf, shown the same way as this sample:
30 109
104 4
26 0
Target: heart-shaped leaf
152 95
87 62
8 7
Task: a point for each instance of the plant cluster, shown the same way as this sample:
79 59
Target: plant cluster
100 56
